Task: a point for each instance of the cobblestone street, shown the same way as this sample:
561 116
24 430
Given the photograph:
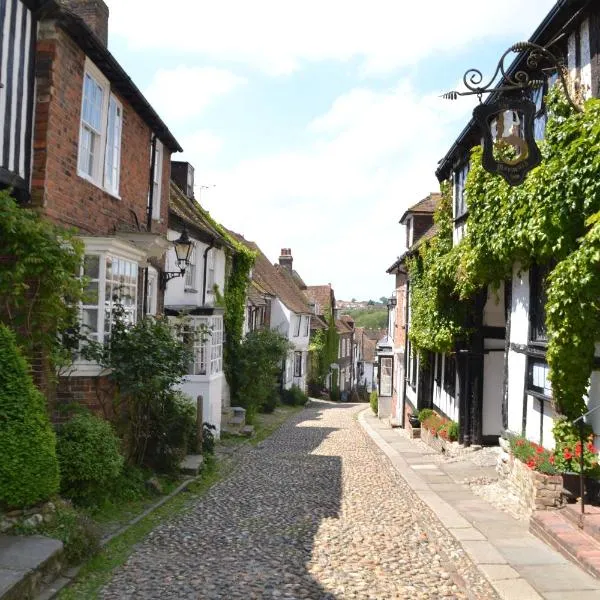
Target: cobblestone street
316 511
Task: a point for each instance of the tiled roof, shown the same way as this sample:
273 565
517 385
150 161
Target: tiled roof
425 206
321 295
317 323
281 285
192 214
369 349
342 326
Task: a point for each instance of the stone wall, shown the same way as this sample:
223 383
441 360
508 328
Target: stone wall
536 491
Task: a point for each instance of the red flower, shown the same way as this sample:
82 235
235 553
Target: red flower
567 454
552 459
591 448
531 463
540 450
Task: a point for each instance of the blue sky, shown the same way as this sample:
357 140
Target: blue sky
316 123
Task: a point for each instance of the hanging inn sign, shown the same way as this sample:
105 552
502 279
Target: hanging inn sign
507 122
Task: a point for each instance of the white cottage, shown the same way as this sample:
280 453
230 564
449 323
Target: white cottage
193 299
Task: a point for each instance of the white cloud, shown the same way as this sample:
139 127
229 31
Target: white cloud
183 92
337 202
279 36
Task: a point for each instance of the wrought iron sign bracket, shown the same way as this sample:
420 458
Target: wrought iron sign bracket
521 80
507 123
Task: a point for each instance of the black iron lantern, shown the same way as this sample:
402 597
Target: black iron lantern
509 147
507 123
183 248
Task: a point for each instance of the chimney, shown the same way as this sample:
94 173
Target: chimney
94 13
182 173
286 260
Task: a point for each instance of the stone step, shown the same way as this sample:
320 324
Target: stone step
191 464
552 527
247 430
27 563
591 519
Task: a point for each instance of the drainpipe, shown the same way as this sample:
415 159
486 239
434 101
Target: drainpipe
208 248
403 424
151 192
149 215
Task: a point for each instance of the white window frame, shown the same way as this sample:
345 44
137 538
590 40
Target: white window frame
298 360
297 319
100 166
157 180
190 271
114 130
306 326
210 271
205 336
105 248
152 297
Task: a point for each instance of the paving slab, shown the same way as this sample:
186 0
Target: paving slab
515 562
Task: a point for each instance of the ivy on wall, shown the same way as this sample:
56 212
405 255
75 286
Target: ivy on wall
553 215
233 299
437 315
40 286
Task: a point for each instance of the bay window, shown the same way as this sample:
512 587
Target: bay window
110 268
204 337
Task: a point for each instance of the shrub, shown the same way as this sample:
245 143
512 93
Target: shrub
259 365
208 438
294 396
270 403
89 456
314 388
453 431
536 457
567 453
373 401
425 413
171 426
146 360
28 464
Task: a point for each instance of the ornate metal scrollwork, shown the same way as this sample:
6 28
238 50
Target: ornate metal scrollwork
538 60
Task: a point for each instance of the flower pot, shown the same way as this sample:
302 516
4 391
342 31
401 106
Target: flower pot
414 421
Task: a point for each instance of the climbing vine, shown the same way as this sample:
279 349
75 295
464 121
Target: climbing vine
39 284
233 299
437 315
553 215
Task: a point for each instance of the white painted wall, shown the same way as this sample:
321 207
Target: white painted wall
176 293
493 392
519 334
442 400
493 311
210 388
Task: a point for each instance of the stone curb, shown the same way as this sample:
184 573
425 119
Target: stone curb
505 580
51 591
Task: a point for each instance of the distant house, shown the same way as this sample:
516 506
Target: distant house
192 299
345 329
365 370
285 310
419 226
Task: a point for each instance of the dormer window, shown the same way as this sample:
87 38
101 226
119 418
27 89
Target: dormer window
409 232
460 201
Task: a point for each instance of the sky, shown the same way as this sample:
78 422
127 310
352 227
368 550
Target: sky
313 125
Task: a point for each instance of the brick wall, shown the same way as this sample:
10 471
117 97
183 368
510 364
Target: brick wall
63 196
71 201
421 223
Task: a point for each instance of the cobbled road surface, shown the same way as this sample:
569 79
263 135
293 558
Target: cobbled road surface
315 511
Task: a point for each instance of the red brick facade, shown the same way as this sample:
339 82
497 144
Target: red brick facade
71 201
57 189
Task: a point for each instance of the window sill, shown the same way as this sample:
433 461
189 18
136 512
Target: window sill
538 395
190 290
87 178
